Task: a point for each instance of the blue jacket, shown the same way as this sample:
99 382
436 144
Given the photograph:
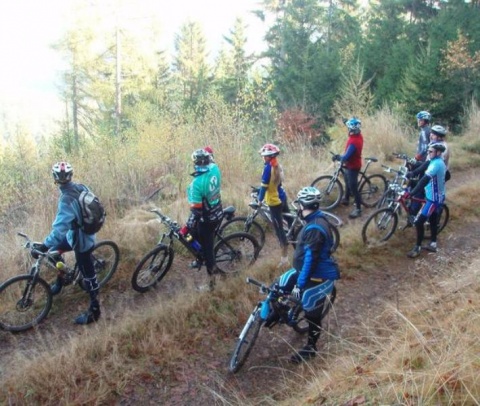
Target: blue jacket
64 225
312 257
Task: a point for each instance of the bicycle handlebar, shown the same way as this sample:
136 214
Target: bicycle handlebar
165 219
29 245
266 289
398 172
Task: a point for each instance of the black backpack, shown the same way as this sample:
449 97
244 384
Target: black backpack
93 212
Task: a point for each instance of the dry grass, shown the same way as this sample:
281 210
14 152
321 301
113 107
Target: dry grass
422 352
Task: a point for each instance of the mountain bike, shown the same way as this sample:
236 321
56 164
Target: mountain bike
291 222
277 308
25 300
382 223
233 253
370 187
398 182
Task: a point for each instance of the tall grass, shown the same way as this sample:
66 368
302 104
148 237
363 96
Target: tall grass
409 355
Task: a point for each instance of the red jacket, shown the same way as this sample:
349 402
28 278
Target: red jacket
352 157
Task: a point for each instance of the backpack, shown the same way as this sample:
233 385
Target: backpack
93 212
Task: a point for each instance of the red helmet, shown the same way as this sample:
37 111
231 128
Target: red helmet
209 149
270 150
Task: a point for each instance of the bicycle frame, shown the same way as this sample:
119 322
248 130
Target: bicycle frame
174 233
340 169
50 259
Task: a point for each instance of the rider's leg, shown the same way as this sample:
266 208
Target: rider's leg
277 220
57 286
85 264
351 177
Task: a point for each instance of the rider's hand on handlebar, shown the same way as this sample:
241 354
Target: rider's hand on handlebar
336 157
297 292
38 247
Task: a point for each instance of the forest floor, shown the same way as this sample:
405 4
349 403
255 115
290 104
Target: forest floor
204 378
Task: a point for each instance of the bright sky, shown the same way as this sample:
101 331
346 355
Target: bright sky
29 69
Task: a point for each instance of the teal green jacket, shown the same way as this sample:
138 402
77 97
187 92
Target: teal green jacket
203 193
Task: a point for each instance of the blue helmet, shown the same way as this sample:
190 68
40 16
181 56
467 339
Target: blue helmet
424 115
354 125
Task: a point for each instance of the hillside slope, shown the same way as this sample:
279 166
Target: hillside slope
371 281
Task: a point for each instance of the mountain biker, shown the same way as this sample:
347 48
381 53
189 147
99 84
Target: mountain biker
204 198
314 270
437 135
272 191
434 183
352 161
423 122
67 236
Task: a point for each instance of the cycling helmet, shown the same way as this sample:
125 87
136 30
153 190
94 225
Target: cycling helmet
200 157
62 172
309 197
269 150
439 131
354 125
209 150
437 146
424 115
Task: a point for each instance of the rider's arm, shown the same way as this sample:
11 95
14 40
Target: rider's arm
267 172
63 221
420 185
348 153
420 169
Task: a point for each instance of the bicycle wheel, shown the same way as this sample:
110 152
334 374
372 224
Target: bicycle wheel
235 252
242 224
388 197
152 268
246 340
332 219
105 257
24 303
332 192
380 226
371 189
301 327
336 237
442 222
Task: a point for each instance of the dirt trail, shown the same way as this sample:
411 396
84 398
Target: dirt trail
205 379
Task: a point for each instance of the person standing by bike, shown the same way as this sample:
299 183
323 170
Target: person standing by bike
433 181
314 270
423 122
66 235
204 198
352 160
272 191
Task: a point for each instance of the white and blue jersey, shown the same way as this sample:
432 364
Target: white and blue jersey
435 189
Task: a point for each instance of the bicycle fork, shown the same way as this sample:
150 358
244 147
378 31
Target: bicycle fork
27 297
256 312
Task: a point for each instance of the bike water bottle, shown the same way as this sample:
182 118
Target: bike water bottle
195 244
61 267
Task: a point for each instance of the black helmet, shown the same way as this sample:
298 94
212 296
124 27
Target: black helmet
439 131
62 172
200 157
437 146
